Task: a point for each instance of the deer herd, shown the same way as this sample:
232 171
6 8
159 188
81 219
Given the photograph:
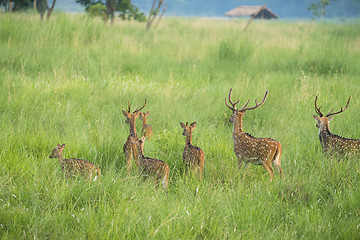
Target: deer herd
248 149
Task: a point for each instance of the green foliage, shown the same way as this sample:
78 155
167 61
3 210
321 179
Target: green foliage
318 9
127 10
69 82
96 10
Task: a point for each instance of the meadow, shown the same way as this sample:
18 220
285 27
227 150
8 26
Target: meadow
67 81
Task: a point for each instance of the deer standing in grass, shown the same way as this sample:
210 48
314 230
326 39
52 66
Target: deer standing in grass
331 143
75 166
129 147
150 166
193 157
249 149
146 130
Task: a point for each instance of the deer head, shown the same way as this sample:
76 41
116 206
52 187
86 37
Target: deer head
188 129
240 113
132 115
57 151
323 121
144 115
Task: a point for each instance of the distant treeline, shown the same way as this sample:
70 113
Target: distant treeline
283 8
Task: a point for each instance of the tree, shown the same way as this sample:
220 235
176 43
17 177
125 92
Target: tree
318 9
125 7
96 10
43 7
16 5
129 11
154 12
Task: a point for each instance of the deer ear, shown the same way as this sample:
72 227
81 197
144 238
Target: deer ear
330 118
182 125
62 147
316 118
147 113
125 113
193 125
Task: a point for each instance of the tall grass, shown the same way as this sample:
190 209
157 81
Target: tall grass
67 80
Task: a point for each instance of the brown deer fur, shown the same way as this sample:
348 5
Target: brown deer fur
75 166
249 149
129 147
146 130
150 166
193 157
331 143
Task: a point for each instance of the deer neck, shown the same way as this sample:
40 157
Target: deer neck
61 159
324 133
144 123
132 127
237 128
189 139
140 155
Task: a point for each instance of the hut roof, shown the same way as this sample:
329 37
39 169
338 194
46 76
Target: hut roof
253 11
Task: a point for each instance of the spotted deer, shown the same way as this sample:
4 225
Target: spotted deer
193 157
146 130
75 166
249 149
129 147
333 144
150 167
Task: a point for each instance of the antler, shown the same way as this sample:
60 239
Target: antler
233 108
128 110
317 109
244 108
137 110
341 110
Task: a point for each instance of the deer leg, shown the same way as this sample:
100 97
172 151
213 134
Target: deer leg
128 162
268 167
277 159
239 161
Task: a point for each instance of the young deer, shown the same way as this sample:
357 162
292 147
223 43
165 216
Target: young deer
193 157
150 166
75 166
129 147
249 149
331 143
146 130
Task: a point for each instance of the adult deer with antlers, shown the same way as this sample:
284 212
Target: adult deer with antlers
129 146
249 149
331 143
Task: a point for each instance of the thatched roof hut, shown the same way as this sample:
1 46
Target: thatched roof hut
253 11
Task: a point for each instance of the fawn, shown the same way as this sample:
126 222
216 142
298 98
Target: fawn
150 166
129 147
146 130
75 166
331 143
193 157
249 149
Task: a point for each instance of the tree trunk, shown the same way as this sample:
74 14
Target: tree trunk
50 10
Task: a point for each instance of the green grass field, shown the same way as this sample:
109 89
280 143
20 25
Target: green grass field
67 80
